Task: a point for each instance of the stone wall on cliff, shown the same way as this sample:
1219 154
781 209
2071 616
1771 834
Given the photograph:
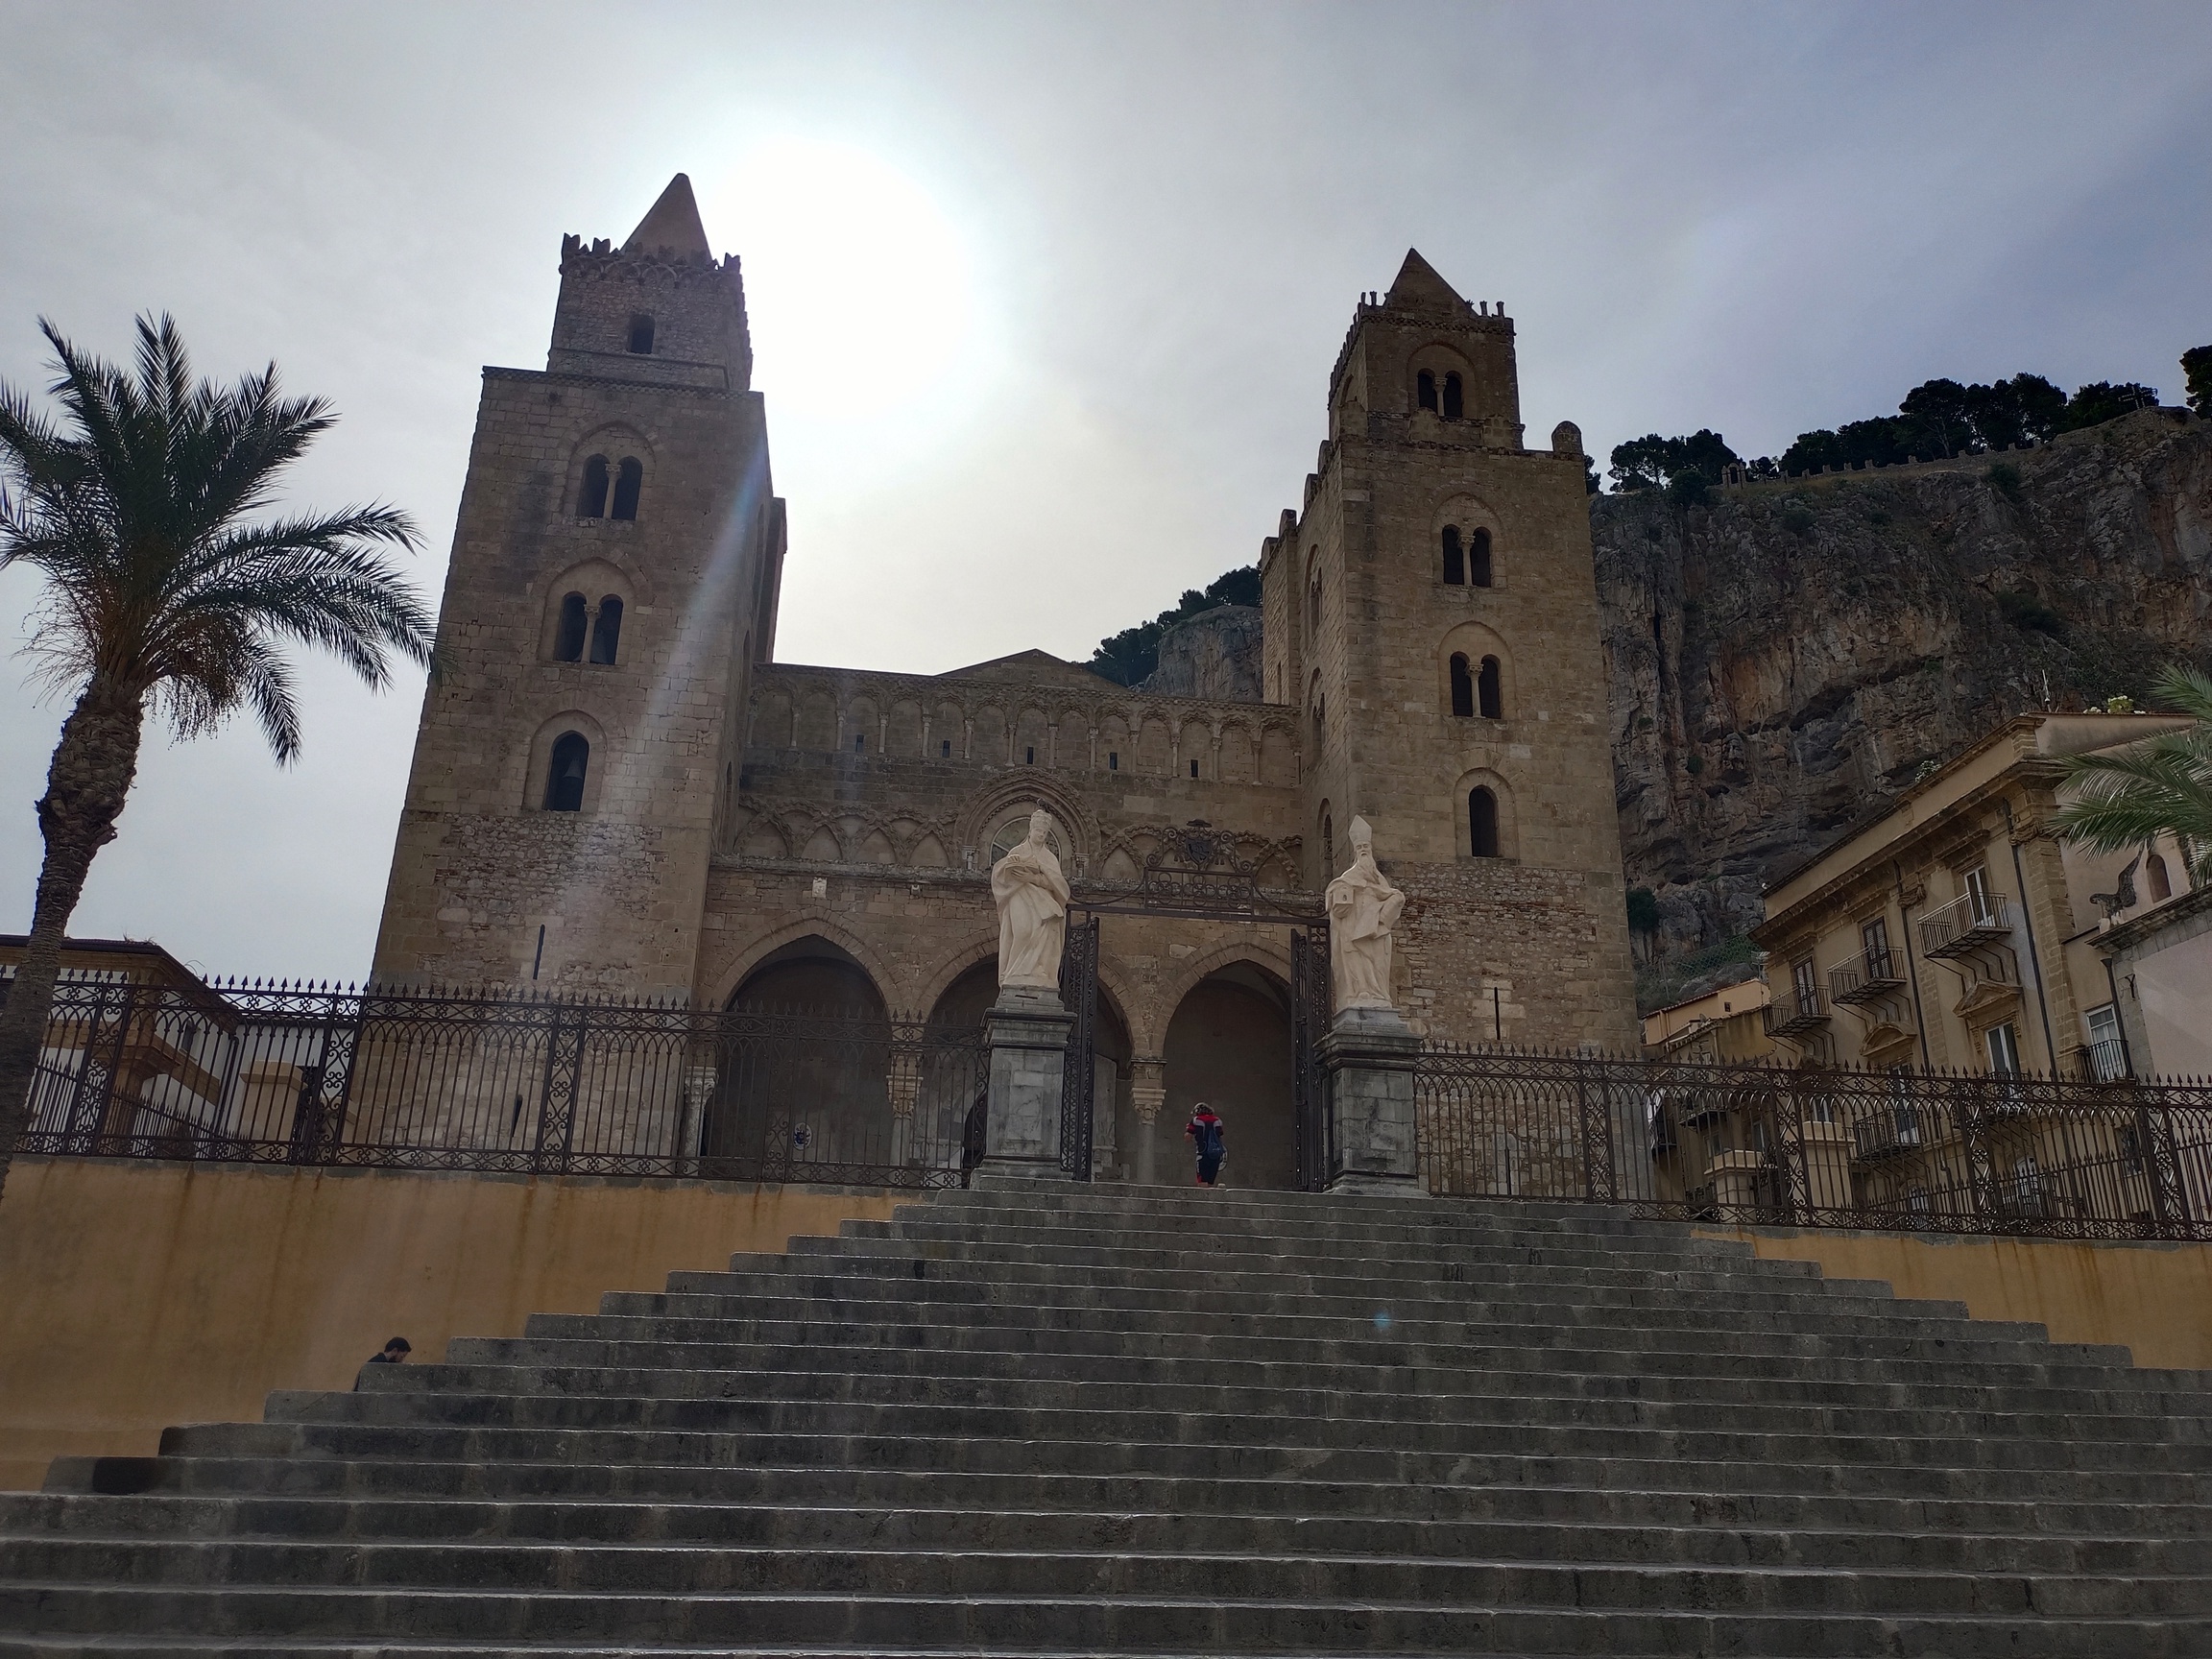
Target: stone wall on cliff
1785 658
1215 655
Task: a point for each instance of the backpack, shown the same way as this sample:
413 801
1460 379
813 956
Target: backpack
1210 1138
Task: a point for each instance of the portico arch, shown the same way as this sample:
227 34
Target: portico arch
1229 1045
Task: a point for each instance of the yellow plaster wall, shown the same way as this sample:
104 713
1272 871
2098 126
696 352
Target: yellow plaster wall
2156 1299
135 1295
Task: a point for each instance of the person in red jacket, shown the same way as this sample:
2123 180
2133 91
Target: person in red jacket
1205 1134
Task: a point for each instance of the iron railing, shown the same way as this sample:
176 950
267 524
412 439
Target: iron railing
1826 1147
501 1082
1968 920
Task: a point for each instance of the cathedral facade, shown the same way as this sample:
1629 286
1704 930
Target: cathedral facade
617 787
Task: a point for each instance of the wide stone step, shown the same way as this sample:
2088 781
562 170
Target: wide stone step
793 1320
633 1395
1718 1461
1002 1277
31 1523
930 1368
1773 1625
686 1571
2040 1365
2097 1512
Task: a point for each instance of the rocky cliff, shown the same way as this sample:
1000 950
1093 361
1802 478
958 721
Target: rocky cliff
1216 655
1786 657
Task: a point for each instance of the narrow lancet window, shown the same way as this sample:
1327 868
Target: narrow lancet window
606 630
1455 558
569 633
1455 400
1479 560
564 777
629 479
641 336
1425 389
592 500
1462 687
1490 685
1482 821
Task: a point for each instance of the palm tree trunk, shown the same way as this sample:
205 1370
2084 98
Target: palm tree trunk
85 787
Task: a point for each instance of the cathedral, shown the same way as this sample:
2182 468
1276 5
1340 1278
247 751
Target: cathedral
618 788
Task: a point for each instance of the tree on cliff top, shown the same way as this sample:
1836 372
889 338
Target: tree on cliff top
1132 654
1655 463
2157 786
168 590
2197 366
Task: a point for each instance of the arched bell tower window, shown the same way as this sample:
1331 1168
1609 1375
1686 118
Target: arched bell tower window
568 637
1313 609
1490 690
1479 560
1455 400
641 335
628 480
2155 874
1455 558
1482 821
592 500
606 629
1462 686
565 776
1425 389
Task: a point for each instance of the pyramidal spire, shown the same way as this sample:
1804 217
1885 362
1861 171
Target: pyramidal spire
1417 284
672 225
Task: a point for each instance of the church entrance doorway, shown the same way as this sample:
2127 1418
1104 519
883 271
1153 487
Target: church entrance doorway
1239 1031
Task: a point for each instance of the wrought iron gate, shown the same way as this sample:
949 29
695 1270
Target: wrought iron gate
1197 876
1309 1007
1079 996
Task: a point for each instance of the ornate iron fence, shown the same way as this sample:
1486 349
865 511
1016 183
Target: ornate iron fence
1751 1143
491 1081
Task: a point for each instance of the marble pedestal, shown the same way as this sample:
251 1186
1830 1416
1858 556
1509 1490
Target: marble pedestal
1367 1055
1027 1031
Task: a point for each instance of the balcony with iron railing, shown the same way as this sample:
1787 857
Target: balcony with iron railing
1970 923
1795 1011
1870 977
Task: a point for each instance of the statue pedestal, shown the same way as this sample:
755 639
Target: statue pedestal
1027 1031
1368 1055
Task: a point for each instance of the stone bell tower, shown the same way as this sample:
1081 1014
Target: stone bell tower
1432 611
614 578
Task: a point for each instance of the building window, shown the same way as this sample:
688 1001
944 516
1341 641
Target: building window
1454 400
1113 764
2003 1045
1193 768
1489 685
1313 608
592 500
1028 756
860 743
1479 560
1462 687
606 630
1328 843
1482 821
945 748
564 777
1805 982
568 634
2107 1054
641 336
1874 937
1425 389
1455 558
1320 718
2155 876
629 479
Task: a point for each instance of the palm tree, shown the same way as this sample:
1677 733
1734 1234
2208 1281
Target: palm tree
168 590
2161 785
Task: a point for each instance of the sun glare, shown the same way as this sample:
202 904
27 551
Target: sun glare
860 287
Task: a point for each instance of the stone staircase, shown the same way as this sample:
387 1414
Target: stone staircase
1050 1421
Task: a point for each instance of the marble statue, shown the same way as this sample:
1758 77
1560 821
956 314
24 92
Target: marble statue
1363 909
1032 899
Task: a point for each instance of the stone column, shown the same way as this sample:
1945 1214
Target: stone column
1367 1055
1027 1031
1147 1093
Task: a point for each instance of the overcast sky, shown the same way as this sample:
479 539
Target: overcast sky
1043 297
